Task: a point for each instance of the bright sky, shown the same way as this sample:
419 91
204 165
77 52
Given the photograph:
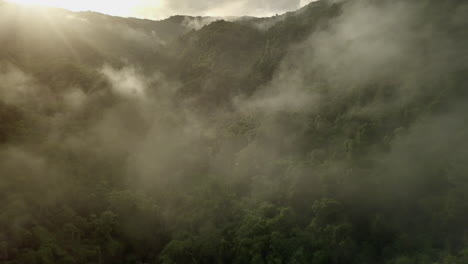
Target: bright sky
160 9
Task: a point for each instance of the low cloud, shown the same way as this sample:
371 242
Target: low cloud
166 8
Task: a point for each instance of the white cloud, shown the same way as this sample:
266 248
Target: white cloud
164 8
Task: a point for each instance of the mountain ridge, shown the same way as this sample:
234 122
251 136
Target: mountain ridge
334 134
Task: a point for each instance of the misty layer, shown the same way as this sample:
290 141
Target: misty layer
334 134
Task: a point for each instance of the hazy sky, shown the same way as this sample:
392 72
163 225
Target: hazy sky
159 9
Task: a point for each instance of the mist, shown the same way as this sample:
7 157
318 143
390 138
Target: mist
335 134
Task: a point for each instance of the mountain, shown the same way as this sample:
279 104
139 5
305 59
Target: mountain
333 134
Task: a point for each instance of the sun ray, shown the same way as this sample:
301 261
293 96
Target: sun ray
60 34
117 7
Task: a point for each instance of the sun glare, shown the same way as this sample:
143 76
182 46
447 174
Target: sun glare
72 5
114 7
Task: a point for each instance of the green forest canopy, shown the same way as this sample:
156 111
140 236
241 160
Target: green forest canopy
333 134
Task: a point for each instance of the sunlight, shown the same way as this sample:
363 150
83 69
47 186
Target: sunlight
72 5
116 7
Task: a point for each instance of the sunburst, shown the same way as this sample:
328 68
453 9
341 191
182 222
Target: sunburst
115 7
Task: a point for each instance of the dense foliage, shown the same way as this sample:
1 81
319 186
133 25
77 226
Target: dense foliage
334 134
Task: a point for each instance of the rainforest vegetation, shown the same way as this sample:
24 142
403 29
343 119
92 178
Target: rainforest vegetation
334 134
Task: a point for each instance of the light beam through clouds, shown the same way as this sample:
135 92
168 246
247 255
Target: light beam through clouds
161 9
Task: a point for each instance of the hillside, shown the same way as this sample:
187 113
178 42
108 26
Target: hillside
333 134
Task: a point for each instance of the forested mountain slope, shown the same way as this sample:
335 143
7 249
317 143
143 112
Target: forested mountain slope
333 134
